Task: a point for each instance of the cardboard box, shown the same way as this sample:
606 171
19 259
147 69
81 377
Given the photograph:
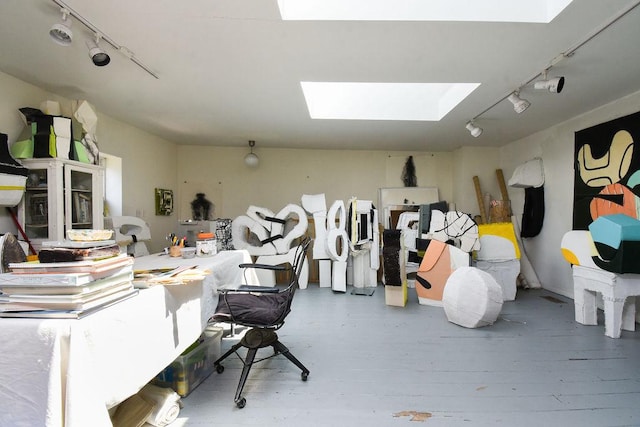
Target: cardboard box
193 366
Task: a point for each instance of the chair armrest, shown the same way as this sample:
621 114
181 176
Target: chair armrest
265 266
226 289
258 289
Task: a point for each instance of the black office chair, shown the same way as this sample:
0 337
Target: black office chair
264 310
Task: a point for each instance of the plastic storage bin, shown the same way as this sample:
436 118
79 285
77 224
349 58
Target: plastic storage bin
193 366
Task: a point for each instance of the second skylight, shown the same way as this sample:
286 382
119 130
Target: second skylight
383 101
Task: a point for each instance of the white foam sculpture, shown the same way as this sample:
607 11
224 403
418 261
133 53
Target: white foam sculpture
337 232
497 256
408 237
315 204
472 298
456 226
274 246
364 244
130 233
329 230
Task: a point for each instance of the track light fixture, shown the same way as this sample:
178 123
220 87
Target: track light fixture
553 85
251 159
97 55
61 33
473 129
519 104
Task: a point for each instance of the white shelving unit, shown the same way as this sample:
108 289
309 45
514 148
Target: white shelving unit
60 195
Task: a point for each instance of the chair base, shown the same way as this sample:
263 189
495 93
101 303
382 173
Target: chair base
254 340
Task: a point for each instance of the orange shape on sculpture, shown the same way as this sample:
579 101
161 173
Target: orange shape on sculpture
604 206
435 268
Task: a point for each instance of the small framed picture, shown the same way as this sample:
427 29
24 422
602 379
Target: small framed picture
164 201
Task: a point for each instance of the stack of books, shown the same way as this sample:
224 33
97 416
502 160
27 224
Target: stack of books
82 278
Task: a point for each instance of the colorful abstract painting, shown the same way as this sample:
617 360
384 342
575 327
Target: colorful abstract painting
607 171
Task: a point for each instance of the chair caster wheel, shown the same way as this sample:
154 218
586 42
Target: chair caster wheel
240 403
219 369
304 376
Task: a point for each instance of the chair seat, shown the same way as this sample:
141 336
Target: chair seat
252 309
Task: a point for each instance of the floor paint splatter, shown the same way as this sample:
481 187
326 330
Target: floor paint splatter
415 415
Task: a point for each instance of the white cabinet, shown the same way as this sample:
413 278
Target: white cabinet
61 195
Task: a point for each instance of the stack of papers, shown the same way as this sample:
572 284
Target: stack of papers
65 289
168 276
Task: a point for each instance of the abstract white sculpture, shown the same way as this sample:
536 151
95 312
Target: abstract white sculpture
329 229
472 298
364 243
273 244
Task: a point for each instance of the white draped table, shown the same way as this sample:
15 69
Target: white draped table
62 372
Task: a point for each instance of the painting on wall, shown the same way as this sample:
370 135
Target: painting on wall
164 201
606 171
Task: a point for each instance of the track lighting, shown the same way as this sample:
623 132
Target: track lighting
519 104
251 159
473 129
553 85
97 55
61 33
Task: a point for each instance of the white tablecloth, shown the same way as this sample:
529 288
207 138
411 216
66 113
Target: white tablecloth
59 372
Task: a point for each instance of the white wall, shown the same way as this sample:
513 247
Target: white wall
556 146
469 162
284 175
148 162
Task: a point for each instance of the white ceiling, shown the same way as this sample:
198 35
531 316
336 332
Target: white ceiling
230 70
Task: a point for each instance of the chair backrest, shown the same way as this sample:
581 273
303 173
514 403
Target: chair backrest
298 263
299 260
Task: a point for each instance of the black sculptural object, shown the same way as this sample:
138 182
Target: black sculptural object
201 208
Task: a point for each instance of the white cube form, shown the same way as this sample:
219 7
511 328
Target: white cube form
324 272
472 298
396 295
506 274
339 276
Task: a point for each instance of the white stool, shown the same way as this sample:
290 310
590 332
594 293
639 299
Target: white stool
619 309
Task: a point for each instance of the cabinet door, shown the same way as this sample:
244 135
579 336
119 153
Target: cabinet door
83 200
36 200
38 211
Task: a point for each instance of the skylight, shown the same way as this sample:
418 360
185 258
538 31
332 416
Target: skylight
383 101
539 11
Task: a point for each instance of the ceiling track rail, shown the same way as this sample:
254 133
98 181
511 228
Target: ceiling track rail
103 36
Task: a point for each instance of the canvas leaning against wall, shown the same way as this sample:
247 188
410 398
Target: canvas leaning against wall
606 171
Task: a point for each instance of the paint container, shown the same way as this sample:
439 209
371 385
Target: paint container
206 245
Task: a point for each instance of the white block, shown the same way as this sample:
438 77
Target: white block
505 273
363 275
324 271
395 295
472 298
51 108
339 279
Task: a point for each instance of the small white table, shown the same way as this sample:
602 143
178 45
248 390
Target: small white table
60 372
